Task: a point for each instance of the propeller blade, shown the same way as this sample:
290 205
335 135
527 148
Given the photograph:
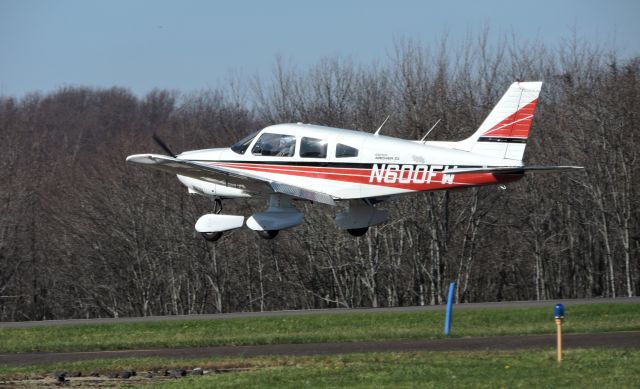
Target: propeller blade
163 145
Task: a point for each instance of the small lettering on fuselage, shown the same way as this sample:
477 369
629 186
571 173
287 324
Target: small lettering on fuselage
409 174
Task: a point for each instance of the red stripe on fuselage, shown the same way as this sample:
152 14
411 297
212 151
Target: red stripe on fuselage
364 176
307 171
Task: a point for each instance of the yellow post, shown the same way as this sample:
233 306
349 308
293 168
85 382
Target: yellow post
559 341
559 315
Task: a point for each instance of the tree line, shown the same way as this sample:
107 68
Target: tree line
82 234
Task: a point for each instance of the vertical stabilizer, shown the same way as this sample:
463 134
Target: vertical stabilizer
504 133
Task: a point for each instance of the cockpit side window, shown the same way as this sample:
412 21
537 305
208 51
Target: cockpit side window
275 145
241 146
344 151
313 148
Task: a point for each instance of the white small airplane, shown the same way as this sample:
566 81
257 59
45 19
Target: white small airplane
360 170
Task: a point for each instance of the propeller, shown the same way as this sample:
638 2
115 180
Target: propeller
163 145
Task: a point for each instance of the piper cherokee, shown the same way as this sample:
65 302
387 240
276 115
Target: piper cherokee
353 168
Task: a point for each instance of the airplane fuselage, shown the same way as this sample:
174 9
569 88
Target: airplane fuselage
352 164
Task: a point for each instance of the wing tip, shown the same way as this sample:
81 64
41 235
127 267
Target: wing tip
146 159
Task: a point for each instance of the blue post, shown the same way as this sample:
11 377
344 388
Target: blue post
447 320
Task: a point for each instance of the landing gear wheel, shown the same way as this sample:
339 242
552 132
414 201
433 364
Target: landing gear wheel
268 234
212 236
358 231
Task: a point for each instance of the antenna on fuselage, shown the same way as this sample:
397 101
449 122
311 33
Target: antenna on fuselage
428 132
380 128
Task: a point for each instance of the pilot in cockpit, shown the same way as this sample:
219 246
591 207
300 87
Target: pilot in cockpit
286 146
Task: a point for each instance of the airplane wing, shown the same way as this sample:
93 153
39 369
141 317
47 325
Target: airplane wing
511 169
224 176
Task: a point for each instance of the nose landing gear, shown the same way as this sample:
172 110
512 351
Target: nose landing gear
212 236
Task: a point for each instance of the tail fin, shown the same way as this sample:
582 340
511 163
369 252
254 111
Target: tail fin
504 133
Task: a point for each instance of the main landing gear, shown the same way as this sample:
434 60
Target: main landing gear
268 234
357 231
214 236
359 216
279 215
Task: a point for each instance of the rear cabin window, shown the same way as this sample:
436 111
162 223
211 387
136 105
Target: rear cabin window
313 148
344 151
275 145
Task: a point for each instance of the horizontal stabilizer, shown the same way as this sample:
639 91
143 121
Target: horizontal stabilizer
511 169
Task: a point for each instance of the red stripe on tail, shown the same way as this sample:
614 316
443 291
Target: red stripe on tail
515 126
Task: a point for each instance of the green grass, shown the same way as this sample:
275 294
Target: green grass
538 369
581 368
316 328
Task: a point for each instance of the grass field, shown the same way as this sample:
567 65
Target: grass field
582 368
316 328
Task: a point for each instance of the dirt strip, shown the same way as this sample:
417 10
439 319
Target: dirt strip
630 339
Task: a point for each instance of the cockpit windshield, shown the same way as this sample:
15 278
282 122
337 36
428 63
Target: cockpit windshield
241 146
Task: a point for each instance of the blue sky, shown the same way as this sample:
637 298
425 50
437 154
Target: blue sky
191 45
